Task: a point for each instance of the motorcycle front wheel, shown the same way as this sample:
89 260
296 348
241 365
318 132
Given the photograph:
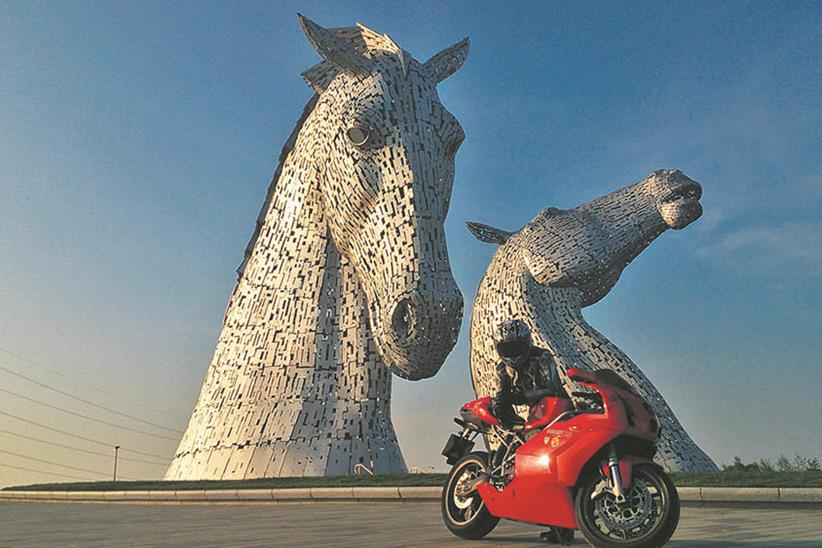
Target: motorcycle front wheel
645 519
464 512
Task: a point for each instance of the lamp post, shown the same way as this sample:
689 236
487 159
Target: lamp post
116 451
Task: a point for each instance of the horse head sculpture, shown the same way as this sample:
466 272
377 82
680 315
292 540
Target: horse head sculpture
565 260
346 279
386 172
608 233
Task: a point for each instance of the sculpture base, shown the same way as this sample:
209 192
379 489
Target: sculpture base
295 458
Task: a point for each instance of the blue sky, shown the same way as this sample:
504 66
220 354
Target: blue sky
137 141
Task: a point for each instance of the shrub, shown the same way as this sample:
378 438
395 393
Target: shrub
783 464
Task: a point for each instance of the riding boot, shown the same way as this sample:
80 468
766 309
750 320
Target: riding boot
558 535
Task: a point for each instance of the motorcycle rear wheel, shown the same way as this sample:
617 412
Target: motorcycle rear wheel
646 519
466 515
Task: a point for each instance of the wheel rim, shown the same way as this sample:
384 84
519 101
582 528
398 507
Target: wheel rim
637 518
463 507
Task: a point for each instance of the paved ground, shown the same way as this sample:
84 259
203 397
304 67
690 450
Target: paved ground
44 524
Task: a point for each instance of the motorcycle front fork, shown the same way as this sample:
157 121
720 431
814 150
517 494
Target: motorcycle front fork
614 476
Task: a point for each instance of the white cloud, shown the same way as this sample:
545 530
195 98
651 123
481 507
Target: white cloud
793 249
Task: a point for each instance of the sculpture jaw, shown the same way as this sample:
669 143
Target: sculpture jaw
681 207
678 198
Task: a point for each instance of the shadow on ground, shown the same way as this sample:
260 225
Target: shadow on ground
579 541
738 544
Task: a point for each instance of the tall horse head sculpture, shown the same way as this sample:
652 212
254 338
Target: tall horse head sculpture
346 278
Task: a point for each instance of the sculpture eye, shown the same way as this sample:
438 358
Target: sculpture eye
357 135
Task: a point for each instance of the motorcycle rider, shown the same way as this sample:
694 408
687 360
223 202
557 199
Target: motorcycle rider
521 371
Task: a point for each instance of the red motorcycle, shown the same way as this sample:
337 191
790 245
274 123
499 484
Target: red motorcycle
585 465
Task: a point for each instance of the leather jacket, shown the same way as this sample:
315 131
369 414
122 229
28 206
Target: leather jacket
538 372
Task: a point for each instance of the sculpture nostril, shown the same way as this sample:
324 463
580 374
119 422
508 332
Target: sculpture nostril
402 321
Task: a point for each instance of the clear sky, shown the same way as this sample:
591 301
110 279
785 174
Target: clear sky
137 140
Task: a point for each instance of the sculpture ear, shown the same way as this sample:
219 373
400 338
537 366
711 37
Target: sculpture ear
448 61
336 51
320 75
488 234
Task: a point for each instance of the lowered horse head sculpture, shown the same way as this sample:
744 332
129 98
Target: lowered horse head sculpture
589 246
346 279
386 168
562 261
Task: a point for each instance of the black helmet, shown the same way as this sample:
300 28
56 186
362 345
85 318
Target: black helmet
512 339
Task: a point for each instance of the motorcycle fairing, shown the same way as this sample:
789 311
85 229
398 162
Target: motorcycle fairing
545 411
547 467
529 506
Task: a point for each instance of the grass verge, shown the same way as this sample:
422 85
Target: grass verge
682 479
383 480
729 478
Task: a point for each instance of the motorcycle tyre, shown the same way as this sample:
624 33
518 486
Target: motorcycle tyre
482 522
662 535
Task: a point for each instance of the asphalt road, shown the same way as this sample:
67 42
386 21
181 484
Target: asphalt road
410 524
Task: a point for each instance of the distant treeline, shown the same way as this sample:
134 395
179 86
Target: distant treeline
783 464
